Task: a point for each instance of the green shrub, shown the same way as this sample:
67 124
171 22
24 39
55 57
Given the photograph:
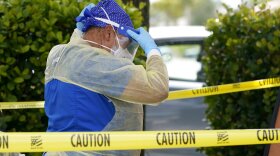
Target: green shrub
244 46
28 30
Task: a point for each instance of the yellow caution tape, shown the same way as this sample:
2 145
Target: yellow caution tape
94 141
227 88
181 94
21 105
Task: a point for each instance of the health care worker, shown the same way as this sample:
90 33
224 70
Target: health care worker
91 83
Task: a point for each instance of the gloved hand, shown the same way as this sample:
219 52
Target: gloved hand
144 39
80 25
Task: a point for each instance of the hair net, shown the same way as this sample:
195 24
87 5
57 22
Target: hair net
111 8
80 25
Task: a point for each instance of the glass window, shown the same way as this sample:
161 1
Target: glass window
181 60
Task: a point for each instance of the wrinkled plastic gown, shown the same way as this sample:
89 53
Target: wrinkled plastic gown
99 71
127 85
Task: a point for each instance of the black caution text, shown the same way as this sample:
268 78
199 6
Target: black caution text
267 135
271 81
205 90
175 138
4 142
90 140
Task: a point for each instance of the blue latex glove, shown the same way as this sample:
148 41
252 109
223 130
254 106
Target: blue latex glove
80 25
144 39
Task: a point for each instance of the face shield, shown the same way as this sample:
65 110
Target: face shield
125 48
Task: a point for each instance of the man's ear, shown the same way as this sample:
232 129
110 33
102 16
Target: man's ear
109 32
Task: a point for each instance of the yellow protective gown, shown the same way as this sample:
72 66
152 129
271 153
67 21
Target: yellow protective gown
127 85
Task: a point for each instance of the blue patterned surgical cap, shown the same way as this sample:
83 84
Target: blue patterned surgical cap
114 11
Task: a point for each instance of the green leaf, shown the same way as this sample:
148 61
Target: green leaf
6 23
14 26
8 118
19 14
2 38
11 86
259 61
10 60
3 70
25 72
262 6
25 49
34 47
53 21
18 80
21 39
59 36
42 49
11 98
46 21
22 118
259 44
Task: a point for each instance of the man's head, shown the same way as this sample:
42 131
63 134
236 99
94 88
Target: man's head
102 34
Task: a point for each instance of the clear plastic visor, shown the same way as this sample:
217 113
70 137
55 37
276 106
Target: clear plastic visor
128 45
